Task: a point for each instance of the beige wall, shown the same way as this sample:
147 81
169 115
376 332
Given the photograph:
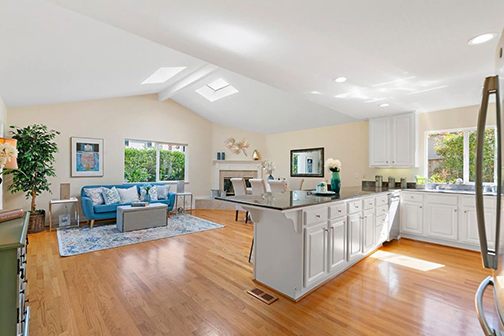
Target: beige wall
349 143
114 120
3 121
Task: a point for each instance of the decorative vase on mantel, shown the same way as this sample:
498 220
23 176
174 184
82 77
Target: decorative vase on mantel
270 177
336 181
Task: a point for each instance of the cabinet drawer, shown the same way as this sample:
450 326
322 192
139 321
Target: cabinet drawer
314 216
381 200
489 202
442 199
382 210
337 210
369 203
412 197
381 220
354 207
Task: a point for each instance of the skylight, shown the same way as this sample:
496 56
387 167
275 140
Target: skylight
217 90
162 75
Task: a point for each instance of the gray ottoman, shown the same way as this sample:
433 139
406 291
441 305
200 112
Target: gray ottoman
138 218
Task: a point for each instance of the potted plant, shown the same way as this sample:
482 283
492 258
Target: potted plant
35 161
335 168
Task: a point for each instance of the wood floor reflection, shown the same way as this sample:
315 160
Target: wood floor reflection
196 285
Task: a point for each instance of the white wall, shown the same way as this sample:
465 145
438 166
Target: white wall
114 120
3 122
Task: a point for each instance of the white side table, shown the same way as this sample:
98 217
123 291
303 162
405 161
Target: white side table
71 201
183 195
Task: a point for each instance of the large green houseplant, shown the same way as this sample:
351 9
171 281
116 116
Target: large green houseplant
35 161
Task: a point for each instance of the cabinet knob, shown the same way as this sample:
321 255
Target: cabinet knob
420 207
318 216
339 211
455 210
326 230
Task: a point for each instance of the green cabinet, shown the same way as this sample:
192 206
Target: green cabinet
14 314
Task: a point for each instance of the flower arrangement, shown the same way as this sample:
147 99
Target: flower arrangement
268 167
7 153
333 165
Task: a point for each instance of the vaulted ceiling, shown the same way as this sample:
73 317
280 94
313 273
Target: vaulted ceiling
411 55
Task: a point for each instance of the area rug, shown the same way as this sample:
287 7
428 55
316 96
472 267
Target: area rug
84 239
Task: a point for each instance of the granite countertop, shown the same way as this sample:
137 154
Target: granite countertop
299 198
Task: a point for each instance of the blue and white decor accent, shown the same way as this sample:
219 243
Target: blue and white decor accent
83 240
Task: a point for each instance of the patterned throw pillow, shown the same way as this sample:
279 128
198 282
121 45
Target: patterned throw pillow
95 194
152 192
111 196
162 192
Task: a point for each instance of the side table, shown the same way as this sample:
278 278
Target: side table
71 201
183 195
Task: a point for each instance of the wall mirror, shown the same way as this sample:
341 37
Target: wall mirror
307 162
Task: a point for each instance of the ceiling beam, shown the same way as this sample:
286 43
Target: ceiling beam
199 74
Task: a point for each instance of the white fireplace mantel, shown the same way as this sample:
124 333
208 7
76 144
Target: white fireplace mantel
236 165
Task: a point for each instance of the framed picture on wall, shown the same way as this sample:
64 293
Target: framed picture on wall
87 157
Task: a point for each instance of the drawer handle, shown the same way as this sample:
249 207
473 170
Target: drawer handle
318 216
356 206
412 196
339 211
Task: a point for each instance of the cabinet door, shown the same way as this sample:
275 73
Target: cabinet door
404 140
411 218
369 231
441 221
468 226
354 236
315 267
381 229
379 142
337 244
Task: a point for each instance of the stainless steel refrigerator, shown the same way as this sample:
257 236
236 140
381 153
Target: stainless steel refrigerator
492 241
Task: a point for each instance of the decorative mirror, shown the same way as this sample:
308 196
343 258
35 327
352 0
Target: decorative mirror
307 162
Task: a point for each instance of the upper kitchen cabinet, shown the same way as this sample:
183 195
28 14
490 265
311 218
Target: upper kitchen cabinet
393 141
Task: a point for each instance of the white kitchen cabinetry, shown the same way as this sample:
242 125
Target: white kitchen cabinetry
354 236
441 221
315 253
393 141
411 214
379 142
368 231
469 226
337 244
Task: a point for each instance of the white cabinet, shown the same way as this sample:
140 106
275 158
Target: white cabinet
441 221
393 141
468 225
354 236
411 214
337 244
379 142
315 267
381 229
404 140
368 231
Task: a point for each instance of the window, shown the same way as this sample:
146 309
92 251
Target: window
451 156
148 161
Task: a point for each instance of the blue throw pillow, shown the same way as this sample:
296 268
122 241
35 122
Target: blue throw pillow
111 196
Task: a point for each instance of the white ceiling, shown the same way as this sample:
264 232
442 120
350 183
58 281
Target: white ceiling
275 53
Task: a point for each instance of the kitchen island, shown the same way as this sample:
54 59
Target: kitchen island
302 240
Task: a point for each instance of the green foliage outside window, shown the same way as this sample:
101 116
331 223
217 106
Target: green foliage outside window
140 165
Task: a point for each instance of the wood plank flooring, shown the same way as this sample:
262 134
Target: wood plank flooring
196 285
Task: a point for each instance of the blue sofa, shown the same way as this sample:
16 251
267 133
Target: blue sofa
103 211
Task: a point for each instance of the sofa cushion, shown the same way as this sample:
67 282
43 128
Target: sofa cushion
95 194
128 195
162 192
111 196
107 207
152 192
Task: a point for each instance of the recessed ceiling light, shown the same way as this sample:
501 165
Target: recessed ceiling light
217 90
481 38
162 75
384 105
316 92
340 79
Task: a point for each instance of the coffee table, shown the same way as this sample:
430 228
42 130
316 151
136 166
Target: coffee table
138 218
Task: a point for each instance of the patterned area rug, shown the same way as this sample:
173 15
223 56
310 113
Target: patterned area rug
84 239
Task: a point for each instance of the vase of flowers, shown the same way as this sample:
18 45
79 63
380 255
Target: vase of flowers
335 167
269 167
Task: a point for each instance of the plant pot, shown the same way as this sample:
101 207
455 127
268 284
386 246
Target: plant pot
37 222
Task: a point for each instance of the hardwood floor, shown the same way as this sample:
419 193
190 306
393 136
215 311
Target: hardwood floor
196 285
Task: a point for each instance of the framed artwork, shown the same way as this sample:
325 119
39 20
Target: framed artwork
87 157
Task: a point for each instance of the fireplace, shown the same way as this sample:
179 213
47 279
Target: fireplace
227 175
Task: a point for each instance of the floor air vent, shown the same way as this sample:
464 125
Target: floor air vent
263 296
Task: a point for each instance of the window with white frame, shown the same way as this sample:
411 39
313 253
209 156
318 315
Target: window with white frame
450 155
149 161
